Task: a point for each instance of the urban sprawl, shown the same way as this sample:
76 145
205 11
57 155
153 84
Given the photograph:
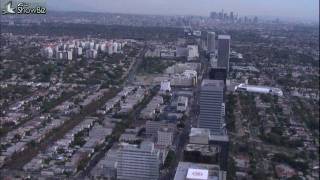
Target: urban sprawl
139 97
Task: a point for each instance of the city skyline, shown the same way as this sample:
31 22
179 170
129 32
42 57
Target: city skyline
288 10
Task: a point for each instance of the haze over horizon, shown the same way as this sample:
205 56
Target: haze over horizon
287 9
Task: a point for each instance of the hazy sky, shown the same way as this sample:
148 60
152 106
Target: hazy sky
302 9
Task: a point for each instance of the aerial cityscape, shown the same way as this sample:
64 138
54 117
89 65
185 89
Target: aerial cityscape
98 93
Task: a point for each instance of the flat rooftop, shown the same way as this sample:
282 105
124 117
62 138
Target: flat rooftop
204 149
224 37
188 170
261 89
212 83
208 84
223 138
199 132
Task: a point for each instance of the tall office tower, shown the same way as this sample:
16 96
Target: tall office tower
79 51
255 20
211 99
216 73
138 163
211 41
223 142
231 16
224 51
193 52
69 54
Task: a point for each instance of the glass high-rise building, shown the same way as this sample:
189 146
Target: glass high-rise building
211 101
224 51
211 42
